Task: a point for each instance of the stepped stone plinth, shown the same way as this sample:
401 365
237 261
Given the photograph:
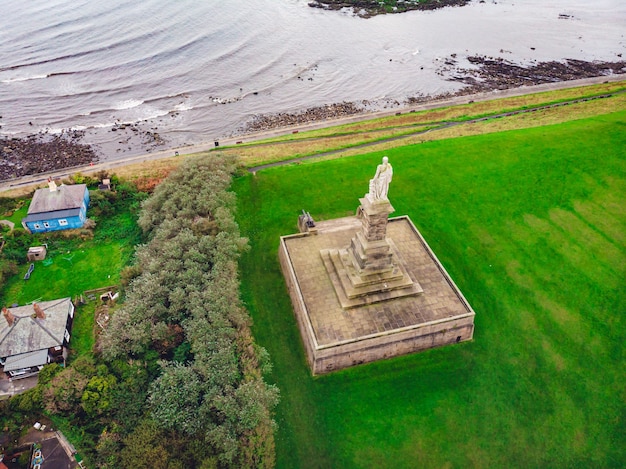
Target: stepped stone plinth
368 287
370 269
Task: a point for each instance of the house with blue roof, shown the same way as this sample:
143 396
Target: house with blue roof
57 208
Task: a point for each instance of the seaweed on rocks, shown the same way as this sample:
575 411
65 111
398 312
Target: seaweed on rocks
369 8
494 73
43 152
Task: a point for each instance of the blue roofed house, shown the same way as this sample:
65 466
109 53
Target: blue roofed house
57 208
34 335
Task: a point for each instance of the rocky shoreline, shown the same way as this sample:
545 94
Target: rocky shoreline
490 74
264 122
369 8
43 153
494 73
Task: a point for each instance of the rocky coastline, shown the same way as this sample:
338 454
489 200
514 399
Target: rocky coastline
490 74
264 122
42 153
369 8
495 73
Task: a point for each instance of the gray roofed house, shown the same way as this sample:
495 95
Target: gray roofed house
33 335
57 208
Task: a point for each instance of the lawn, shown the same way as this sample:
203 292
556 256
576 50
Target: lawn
74 265
531 225
74 269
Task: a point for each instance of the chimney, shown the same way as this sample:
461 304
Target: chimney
38 311
8 316
52 185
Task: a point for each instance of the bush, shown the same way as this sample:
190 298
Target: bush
183 302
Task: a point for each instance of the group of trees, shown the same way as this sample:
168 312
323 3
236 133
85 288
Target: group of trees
182 310
176 380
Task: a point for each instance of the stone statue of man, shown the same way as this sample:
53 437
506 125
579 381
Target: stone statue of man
379 186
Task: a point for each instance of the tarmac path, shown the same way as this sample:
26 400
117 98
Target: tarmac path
249 138
443 125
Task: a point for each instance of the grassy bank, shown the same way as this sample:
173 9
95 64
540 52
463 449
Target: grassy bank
446 122
530 224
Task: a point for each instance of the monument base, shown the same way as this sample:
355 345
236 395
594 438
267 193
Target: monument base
340 330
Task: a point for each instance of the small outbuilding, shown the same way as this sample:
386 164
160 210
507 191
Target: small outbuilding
105 185
36 253
57 208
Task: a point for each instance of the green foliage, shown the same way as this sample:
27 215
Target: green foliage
29 401
24 459
108 450
64 394
182 353
8 268
183 303
530 224
48 372
175 398
101 203
145 448
17 244
96 398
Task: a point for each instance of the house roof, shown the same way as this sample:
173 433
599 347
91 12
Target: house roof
63 198
74 212
26 360
28 333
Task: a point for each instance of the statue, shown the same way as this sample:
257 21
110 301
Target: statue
379 186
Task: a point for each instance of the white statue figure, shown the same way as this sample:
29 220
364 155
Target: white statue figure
379 186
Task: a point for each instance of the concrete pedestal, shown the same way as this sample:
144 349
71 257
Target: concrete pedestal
345 317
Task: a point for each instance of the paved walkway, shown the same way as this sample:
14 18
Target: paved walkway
249 138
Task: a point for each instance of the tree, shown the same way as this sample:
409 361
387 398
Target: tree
175 398
63 396
96 398
183 301
145 448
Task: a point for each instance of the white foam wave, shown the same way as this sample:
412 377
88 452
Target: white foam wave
60 130
183 107
128 104
32 77
154 115
104 125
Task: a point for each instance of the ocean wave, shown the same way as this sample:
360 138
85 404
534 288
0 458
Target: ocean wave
32 77
59 130
127 104
183 107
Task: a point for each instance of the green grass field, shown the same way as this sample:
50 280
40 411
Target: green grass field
73 269
531 225
74 265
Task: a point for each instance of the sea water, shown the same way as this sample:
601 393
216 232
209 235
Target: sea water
199 70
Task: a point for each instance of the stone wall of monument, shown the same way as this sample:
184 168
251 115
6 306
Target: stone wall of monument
306 332
459 329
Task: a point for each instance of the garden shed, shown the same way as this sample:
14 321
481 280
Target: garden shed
36 253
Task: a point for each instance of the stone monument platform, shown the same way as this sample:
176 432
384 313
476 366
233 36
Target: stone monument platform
368 287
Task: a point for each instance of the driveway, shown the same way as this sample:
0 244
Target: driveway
16 386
